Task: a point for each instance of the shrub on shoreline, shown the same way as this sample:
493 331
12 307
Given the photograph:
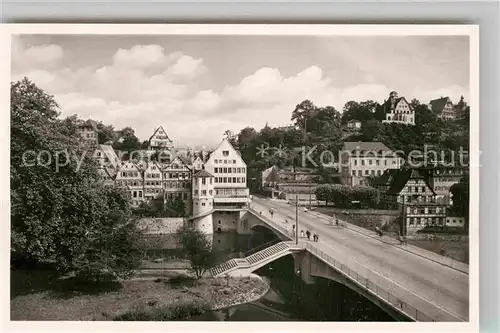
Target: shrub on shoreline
174 312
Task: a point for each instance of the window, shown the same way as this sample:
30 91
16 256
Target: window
377 162
229 179
238 170
225 170
225 161
234 170
195 192
203 181
225 153
370 162
355 162
367 172
229 170
354 172
243 170
211 181
216 179
210 192
135 194
385 162
216 161
234 161
220 179
203 204
362 162
204 192
360 173
216 170
234 179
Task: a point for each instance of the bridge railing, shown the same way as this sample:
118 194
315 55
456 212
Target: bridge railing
245 254
274 224
387 290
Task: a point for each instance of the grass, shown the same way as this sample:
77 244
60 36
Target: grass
34 296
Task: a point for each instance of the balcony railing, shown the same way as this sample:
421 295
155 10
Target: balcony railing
232 193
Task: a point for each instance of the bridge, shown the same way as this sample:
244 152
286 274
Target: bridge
416 283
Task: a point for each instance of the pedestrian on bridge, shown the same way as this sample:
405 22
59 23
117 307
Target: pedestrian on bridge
308 234
301 233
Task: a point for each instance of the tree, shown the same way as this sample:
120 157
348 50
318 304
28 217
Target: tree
359 111
61 214
175 207
128 141
371 130
302 113
105 133
198 250
460 198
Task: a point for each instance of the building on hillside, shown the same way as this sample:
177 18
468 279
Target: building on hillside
360 160
130 177
411 192
160 140
153 181
270 177
230 176
442 178
177 178
106 156
443 108
383 183
89 132
354 125
461 108
398 110
107 175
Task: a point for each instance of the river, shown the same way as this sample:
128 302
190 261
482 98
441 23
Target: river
289 298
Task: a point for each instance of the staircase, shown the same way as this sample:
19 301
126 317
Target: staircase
253 261
224 267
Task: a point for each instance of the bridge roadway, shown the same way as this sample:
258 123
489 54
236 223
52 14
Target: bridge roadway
441 285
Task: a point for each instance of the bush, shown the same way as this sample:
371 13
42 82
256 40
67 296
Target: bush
182 280
166 313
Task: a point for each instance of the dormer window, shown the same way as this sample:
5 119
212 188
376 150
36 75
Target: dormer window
225 153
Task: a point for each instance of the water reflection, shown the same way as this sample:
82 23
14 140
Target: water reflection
289 298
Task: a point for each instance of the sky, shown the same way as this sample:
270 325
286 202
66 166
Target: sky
198 86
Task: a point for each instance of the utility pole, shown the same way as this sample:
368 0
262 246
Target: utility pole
403 220
297 219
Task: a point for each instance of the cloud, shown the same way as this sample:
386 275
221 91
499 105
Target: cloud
144 86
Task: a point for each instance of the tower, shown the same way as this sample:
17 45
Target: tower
203 201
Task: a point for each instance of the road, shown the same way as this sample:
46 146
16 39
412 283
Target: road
440 284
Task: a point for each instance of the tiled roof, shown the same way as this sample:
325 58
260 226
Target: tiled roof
203 174
366 146
438 104
387 177
402 176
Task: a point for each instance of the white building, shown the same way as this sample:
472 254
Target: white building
443 108
160 140
129 176
177 182
360 160
398 110
106 156
153 181
203 201
230 176
354 125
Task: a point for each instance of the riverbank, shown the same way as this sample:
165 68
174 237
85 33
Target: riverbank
62 300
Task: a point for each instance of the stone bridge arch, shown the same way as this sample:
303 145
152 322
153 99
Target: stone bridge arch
250 223
312 268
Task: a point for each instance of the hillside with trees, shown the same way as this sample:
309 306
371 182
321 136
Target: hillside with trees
325 129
